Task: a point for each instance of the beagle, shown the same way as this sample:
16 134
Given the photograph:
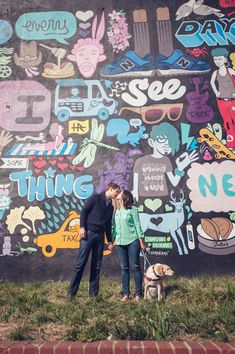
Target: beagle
153 281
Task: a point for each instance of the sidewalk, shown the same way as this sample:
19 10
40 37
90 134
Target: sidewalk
117 347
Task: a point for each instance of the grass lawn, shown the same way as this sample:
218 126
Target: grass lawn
199 308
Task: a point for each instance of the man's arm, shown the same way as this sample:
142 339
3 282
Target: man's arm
108 230
89 204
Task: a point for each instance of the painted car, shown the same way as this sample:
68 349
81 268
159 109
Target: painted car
66 237
82 98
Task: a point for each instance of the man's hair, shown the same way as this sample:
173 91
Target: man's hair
112 185
170 132
219 52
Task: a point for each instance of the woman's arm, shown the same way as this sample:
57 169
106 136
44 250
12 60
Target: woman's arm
136 220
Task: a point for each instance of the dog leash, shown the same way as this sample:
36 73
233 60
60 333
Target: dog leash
146 260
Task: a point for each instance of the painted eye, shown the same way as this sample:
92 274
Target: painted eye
161 140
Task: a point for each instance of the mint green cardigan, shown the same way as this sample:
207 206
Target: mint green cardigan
127 226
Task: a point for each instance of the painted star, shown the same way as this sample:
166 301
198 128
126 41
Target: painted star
50 172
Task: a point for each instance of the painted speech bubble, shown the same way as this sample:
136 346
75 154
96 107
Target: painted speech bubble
57 25
6 31
212 186
136 122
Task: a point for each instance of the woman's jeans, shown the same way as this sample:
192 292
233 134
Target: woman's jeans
92 243
129 257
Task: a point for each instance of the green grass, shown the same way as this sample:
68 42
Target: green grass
199 308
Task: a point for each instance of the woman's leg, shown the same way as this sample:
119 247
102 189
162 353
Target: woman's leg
134 258
122 252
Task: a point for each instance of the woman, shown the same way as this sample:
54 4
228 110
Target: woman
128 237
222 83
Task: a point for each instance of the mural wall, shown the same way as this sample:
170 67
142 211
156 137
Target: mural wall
141 93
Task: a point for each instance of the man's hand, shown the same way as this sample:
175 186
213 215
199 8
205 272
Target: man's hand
82 233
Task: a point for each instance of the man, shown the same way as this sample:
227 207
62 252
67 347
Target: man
95 221
75 93
150 171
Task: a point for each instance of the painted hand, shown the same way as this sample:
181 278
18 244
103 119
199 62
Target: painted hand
186 159
5 138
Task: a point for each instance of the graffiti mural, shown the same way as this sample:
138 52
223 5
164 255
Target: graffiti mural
144 96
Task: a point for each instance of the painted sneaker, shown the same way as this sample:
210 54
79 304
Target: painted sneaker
179 63
130 64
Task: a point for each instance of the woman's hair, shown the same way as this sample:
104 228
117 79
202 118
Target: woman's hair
128 200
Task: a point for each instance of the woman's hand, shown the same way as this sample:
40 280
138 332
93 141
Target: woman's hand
142 244
110 246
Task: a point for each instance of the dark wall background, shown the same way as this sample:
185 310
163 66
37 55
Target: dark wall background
211 250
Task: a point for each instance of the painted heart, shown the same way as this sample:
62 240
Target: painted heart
80 168
141 208
84 15
62 166
31 157
84 26
168 207
83 33
52 162
69 158
39 164
72 167
61 158
37 170
156 221
153 204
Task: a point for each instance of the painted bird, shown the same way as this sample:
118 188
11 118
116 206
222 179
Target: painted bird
185 10
198 8
204 10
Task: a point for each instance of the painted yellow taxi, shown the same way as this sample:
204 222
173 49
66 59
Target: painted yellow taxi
66 237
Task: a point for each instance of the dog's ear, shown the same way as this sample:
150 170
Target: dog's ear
159 270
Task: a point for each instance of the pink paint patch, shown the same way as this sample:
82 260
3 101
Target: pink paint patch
62 166
24 106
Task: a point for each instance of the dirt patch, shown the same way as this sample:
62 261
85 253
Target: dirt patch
51 331
6 329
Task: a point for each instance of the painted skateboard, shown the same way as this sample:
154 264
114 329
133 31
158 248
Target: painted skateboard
221 151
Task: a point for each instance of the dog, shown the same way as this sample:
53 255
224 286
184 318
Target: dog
153 281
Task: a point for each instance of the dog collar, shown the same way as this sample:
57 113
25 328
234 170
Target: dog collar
158 277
